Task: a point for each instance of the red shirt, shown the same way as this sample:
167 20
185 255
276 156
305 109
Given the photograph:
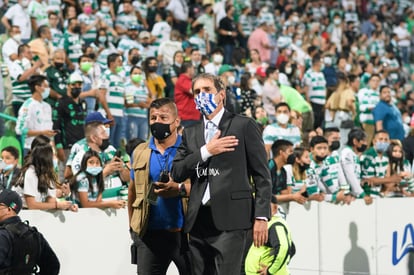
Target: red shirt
184 99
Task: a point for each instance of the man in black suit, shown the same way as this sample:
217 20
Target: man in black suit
221 155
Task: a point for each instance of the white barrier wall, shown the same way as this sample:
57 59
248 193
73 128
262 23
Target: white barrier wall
330 239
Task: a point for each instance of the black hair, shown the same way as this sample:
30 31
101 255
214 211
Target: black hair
280 145
133 68
159 102
327 131
317 140
84 164
244 82
355 133
185 66
112 58
12 150
97 37
41 30
281 104
132 144
41 158
21 49
382 87
381 132
83 56
395 164
270 70
35 80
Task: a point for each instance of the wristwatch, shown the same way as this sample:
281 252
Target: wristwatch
181 189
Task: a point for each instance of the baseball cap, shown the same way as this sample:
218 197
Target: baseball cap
226 68
186 44
144 34
11 199
74 78
260 71
96 117
133 27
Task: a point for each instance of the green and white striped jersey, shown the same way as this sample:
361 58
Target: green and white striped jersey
373 165
20 90
90 35
72 44
367 99
38 11
114 85
316 83
138 94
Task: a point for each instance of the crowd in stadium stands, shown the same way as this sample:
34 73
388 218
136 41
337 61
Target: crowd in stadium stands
329 82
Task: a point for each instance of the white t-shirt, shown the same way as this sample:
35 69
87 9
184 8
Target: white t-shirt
179 9
33 115
30 187
402 33
9 48
20 18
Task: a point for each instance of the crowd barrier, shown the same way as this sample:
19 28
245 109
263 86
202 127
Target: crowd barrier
330 239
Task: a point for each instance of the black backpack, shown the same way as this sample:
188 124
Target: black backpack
26 248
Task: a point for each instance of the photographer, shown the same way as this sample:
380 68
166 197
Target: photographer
155 205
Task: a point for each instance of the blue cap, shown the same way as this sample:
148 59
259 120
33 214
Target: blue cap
96 117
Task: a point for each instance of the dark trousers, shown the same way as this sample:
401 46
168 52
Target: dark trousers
158 248
215 252
319 115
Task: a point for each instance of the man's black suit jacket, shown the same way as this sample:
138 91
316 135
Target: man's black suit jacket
235 202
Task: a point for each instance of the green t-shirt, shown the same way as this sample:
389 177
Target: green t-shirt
294 99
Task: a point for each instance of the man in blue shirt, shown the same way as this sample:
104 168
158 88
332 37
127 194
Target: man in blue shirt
386 115
155 204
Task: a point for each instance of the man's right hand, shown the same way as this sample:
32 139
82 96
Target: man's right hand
49 133
218 145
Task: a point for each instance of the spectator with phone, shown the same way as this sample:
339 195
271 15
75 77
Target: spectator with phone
87 185
115 171
157 220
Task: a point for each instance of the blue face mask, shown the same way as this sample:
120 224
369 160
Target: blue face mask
8 167
46 93
94 170
205 103
381 147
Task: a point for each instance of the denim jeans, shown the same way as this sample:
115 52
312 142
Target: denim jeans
118 131
228 53
137 127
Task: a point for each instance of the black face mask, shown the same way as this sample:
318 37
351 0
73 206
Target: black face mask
362 148
291 159
145 44
92 56
319 158
59 65
77 29
104 145
394 159
160 131
75 92
135 59
335 145
304 167
152 69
